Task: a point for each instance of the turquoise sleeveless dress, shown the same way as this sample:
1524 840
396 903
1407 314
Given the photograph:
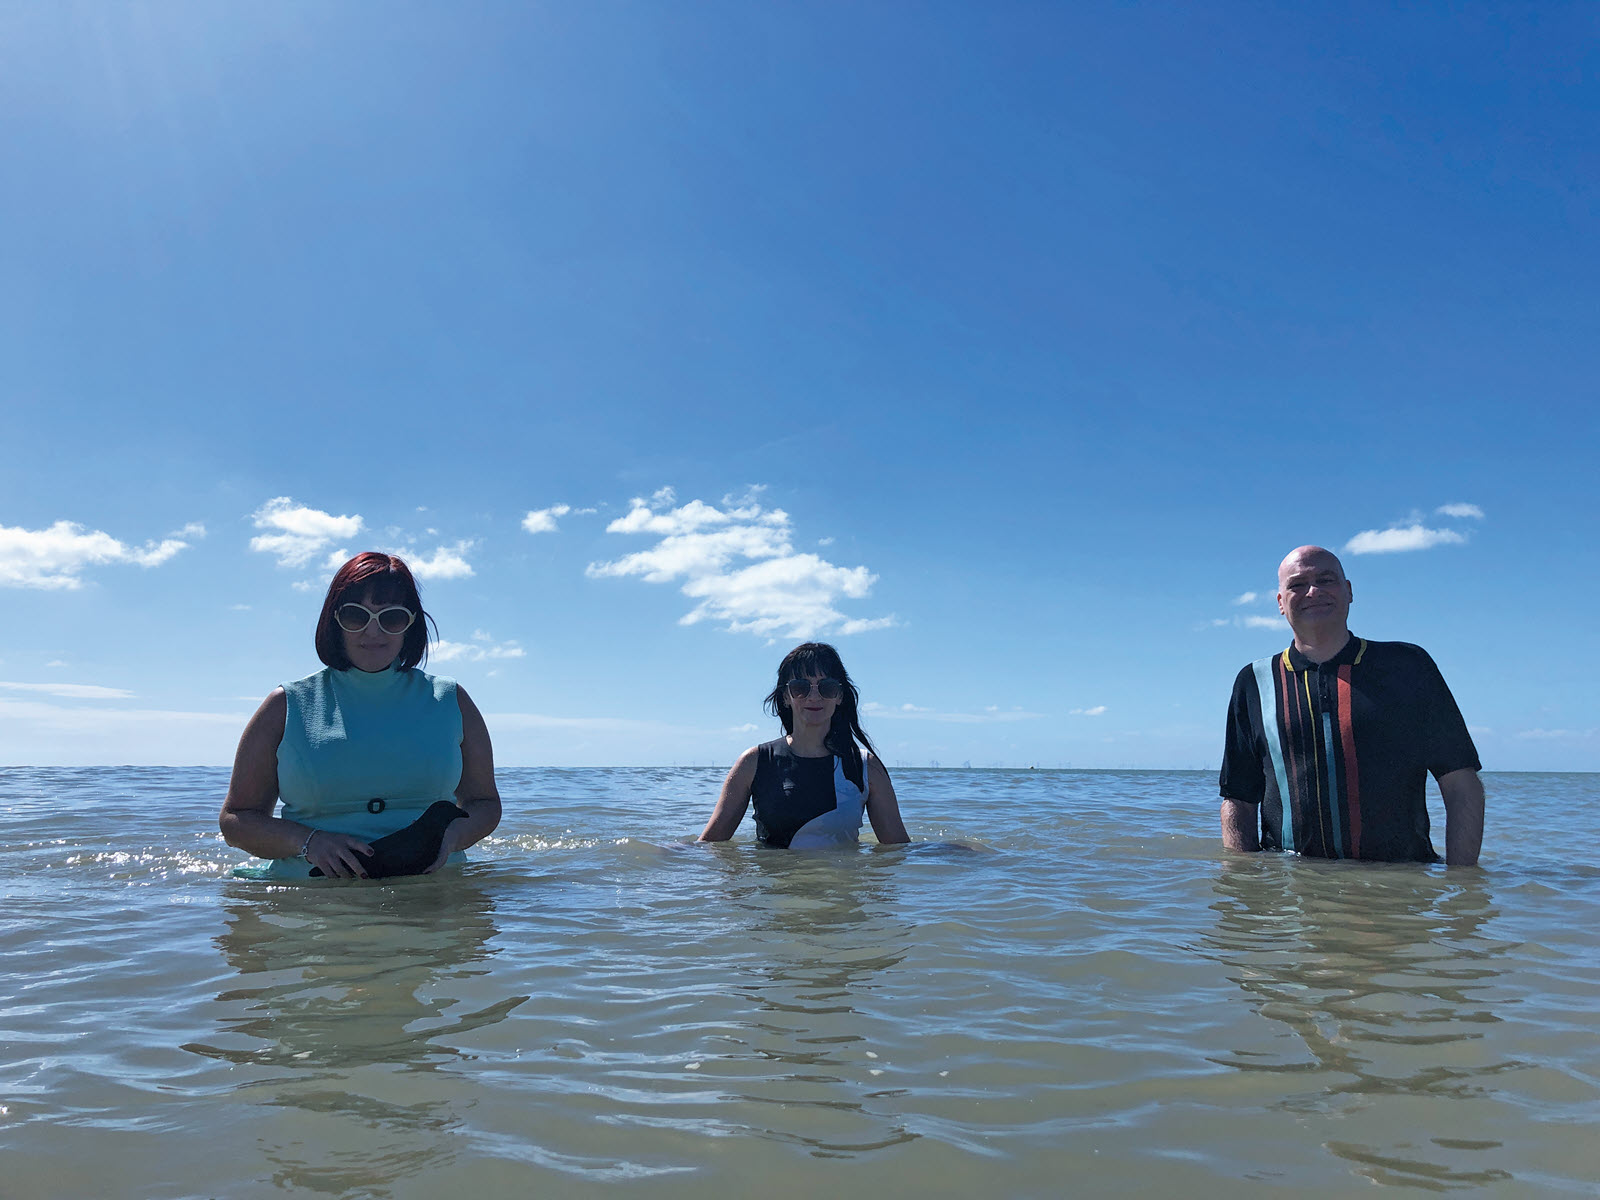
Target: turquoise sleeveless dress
365 753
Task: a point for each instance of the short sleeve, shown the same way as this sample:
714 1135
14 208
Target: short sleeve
1449 745
1242 776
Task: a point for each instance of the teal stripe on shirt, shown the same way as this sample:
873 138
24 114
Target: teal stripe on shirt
1269 724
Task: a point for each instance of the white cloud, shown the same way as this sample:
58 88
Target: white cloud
1099 710
1401 538
1246 621
910 712
56 557
297 534
740 566
1245 598
1255 622
480 648
447 562
1558 735
522 721
693 516
1460 510
543 520
42 732
70 691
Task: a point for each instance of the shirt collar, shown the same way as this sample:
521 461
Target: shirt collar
1352 652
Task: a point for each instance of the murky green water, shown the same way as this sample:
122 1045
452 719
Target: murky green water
1065 987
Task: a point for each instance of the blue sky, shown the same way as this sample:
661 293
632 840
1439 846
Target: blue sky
1009 346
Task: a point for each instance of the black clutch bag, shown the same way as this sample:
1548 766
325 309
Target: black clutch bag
409 851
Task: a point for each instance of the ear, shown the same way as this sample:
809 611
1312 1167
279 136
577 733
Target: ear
1281 609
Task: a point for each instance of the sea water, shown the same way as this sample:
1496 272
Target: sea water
1063 987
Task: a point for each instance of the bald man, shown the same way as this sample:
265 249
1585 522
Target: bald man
1338 769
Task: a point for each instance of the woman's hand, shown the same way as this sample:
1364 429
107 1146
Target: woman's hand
454 839
337 855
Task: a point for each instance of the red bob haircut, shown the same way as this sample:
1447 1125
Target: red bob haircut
387 580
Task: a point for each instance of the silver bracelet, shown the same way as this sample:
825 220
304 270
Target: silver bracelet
307 846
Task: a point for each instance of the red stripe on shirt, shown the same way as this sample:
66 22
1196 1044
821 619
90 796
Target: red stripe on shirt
1352 777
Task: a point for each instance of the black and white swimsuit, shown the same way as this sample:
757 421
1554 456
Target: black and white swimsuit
805 803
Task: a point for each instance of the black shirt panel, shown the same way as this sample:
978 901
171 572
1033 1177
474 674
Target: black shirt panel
789 791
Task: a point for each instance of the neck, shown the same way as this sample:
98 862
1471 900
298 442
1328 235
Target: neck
808 741
1319 645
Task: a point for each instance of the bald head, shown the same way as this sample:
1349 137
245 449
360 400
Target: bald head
1314 596
1303 558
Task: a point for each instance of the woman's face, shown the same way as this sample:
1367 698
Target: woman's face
371 649
812 711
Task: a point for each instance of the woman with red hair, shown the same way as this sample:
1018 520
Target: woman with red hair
382 769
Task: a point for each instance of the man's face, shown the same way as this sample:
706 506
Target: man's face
1313 592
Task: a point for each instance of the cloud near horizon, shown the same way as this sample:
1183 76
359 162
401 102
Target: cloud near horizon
70 691
991 715
57 556
739 564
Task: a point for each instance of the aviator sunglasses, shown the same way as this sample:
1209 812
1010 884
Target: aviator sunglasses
354 618
828 689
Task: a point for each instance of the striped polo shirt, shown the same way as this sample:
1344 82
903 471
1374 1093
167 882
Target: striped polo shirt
1339 765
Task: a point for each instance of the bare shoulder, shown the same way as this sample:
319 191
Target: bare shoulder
270 716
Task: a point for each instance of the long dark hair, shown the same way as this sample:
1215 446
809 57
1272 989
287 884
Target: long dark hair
819 658
389 581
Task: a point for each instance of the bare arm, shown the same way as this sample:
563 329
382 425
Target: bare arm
1463 817
1240 825
733 800
476 793
247 821
883 808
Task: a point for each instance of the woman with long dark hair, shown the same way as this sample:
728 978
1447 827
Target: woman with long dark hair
811 786
382 769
